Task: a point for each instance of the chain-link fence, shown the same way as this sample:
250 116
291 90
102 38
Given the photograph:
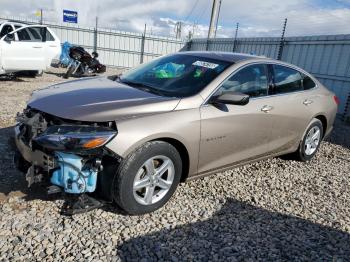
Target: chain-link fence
115 48
326 57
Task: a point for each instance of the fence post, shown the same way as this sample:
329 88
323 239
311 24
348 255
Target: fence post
189 45
143 45
95 35
282 40
235 40
207 45
346 118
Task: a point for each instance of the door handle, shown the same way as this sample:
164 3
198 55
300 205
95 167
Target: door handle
37 47
52 45
307 102
266 108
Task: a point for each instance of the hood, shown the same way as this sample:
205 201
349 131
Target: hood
98 100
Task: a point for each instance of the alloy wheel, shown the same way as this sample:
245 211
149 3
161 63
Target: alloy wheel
312 140
153 180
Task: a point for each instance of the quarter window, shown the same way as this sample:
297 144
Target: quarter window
251 80
308 83
286 80
49 36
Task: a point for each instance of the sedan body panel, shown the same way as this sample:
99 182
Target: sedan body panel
287 109
233 133
182 126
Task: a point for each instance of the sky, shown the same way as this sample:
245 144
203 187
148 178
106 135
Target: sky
259 18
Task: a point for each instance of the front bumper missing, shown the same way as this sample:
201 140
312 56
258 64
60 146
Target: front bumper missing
37 165
36 157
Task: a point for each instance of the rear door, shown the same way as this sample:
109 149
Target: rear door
290 101
234 133
53 47
27 51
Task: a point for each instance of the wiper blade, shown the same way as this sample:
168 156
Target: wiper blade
114 77
143 87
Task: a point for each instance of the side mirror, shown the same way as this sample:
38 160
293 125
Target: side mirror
231 98
9 37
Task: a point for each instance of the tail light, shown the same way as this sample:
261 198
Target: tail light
336 100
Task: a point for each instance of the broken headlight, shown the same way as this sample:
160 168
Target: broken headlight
65 137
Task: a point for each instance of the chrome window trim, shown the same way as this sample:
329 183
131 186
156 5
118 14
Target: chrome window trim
265 63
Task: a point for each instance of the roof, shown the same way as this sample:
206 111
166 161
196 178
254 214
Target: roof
223 56
12 22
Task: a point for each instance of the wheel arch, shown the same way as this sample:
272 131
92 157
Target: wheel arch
321 117
181 148
323 120
184 147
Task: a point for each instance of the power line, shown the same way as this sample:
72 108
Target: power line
190 13
204 11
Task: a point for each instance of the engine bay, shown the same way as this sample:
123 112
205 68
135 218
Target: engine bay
66 153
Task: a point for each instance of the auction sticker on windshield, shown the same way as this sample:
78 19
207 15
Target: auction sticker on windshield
205 64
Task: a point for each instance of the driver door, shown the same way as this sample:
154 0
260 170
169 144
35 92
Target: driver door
231 134
27 51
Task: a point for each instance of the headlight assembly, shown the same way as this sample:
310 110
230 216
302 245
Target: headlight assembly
66 137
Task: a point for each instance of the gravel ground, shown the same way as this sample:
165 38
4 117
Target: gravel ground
271 210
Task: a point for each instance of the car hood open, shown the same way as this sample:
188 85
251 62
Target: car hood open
98 100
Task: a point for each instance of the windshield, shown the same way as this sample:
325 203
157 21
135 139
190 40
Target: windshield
178 75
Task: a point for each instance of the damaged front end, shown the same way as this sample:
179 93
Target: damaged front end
67 153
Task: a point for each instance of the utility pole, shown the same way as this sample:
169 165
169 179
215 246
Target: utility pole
280 49
95 35
213 18
41 16
217 18
235 40
143 39
39 13
178 29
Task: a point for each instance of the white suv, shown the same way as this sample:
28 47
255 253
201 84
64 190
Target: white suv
27 47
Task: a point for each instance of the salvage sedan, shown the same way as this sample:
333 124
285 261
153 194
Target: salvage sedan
134 138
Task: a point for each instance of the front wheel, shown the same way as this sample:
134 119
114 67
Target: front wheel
147 178
311 141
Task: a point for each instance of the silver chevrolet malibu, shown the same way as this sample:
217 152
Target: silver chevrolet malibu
131 139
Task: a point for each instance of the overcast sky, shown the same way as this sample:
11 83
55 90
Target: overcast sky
256 17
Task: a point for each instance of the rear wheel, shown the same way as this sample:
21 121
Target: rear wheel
311 141
147 178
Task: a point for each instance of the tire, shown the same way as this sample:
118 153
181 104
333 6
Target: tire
133 172
303 154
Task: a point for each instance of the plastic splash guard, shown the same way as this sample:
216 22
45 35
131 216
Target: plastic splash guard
71 176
